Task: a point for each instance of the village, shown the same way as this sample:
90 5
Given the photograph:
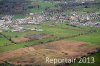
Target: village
74 19
55 15
32 30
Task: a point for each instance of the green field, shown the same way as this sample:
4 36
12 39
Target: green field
4 41
97 61
92 38
57 31
60 31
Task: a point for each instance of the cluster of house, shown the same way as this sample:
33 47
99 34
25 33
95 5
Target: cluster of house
85 19
17 28
5 20
69 1
31 19
82 1
78 19
7 24
91 24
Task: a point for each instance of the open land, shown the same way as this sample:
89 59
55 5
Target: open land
29 39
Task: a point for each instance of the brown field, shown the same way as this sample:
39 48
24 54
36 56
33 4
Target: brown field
58 49
31 37
18 40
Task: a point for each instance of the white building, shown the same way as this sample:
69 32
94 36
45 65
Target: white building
83 1
2 22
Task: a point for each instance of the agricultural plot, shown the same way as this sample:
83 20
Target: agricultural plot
57 49
19 34
27 41
93 38
4 41
57 32
62 30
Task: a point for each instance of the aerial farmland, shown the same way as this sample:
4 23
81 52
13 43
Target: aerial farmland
49 33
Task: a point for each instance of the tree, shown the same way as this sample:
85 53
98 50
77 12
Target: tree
14 6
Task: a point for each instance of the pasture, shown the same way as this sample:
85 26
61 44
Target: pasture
59 31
